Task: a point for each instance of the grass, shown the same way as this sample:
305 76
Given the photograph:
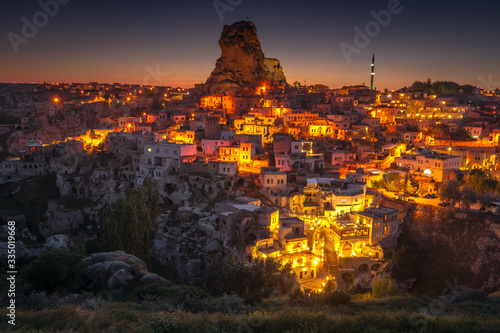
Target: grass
399 314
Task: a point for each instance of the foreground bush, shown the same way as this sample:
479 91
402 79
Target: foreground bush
384 287
328 296
55 270
260 279
335 298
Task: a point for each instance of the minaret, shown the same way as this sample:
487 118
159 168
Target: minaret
373 71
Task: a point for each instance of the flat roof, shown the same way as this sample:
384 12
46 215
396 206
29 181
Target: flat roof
288 220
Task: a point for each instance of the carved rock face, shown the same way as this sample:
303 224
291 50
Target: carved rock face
242 64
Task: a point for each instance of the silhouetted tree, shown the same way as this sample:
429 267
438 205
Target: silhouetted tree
480 181
449 191
254 281
132 226
468 197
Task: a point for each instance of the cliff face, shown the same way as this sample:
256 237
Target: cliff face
275 71
440 247
242 63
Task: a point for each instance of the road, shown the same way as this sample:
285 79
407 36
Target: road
423 201
249 169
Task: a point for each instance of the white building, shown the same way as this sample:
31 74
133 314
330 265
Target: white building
430 163
162 157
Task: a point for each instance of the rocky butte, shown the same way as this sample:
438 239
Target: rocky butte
242 64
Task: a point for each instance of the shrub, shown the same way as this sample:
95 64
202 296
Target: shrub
55 270
260 279
335 298
305 297
384 287
39 300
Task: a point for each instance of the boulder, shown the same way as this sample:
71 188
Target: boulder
56 241
117 271
116 256
120 279
150 279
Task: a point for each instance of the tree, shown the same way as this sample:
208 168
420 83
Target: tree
132 226
55 270
460 135
394 182
441 131
469 197
449 191
490 185
480 181
384 287
422 191
257 280
156 104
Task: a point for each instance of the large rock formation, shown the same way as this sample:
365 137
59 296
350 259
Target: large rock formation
116 271
242 64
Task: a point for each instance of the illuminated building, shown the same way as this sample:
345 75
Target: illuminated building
181 136
430 163
159 158
130 124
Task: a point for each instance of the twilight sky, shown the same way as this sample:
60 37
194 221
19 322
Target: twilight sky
128 41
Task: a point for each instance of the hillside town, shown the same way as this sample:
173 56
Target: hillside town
299 164
320 178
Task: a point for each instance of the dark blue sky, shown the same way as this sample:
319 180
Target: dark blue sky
124 41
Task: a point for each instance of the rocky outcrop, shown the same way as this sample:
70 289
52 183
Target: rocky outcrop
117 271
57 241
275 70
242 63
184 244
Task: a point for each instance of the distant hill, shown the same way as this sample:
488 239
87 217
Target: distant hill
440 87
